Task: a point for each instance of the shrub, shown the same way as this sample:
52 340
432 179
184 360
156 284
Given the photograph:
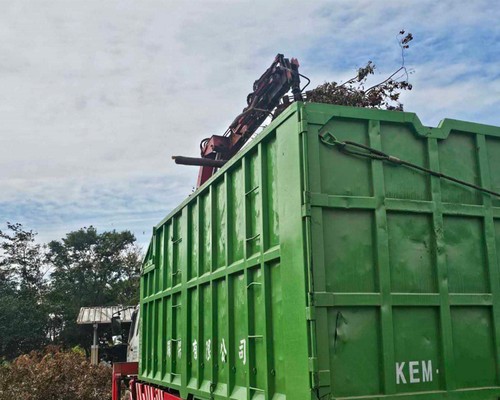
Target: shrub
54 375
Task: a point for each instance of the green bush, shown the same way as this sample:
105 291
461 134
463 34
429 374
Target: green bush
54 375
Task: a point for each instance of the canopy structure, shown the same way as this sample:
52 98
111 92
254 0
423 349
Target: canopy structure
103 315
99 316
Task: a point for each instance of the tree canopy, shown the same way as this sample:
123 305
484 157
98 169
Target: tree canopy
23 284
91 269
42 287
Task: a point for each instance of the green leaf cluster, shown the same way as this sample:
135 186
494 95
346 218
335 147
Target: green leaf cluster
43 287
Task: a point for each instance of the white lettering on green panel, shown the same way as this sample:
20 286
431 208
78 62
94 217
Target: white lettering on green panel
414 372
243 351
195 349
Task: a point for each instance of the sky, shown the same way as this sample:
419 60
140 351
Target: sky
96 96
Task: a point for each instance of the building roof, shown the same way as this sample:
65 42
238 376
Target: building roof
102 315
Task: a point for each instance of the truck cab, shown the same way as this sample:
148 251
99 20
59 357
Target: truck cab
133 337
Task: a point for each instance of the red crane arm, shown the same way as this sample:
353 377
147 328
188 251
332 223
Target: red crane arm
279 78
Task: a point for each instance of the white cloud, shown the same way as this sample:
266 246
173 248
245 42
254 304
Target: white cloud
465 91
96 96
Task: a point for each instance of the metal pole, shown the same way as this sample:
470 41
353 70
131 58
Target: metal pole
94 351
205 162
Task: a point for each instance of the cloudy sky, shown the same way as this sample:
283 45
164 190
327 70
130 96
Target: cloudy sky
96 96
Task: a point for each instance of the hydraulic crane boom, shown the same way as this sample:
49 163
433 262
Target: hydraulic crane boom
279 78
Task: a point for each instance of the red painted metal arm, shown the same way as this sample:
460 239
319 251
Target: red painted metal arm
279 78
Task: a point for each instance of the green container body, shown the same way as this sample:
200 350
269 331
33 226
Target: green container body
299 272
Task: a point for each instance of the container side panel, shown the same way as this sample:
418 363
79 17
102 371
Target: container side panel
207 354
156 280
219 226
150 330
193 339
160 268
493 152
458 158
337 172
411 253
168 340
256 337
294 259
405 183
205 236
177 333
302 272
473 347
277 320
141 367
239 351
405 266
349 251
167 256
272 222
177 254
143 364
418 354
464 246
497 240
355 351
152 280
145 284
213 303
220 337
156 340
252 193
193 242
150 284
144 340
236 217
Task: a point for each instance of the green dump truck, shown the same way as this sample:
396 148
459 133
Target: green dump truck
319 264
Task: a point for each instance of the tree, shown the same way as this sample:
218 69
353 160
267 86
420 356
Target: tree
91 269
23 312
23 260
23 322
384 94
127 289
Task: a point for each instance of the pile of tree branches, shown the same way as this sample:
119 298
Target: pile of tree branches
353 92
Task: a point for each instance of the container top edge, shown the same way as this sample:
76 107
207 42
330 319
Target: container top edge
320 113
